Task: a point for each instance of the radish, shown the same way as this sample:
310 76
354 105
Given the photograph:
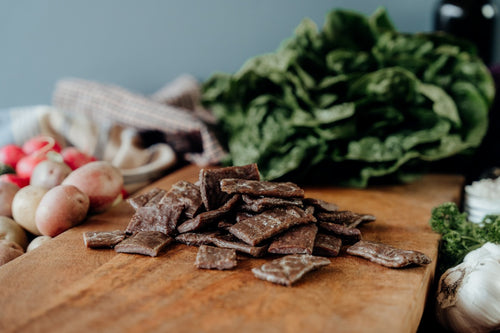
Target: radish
38 149
75 158
11 154
15 179
42 141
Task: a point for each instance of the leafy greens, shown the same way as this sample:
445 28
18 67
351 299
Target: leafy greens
356 99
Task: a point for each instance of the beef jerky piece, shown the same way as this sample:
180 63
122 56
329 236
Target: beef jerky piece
309 209
103 239
231 242
155 200
208 218
148 243
267 224
321 205
260 204
345 217
185 193
240 215
142 199
347 234
289 269
387 255
196 238
161 217
327 245
261 188
224 225
297 240
211 193
210 257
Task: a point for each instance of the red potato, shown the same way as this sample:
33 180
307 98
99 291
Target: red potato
100 180
7 192
75 158
9 251
24 207
61 208
49 173
10 154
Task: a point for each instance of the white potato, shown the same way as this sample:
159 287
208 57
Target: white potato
11 231
9 251
49 173
36 242
24 207
7 193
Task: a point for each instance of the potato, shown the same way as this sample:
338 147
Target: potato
49 173
24 207
9 251
36 242
100 180
61 208
11 231
7 193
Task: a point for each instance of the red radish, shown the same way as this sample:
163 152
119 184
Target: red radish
15 179
10 154
25 166
75 158
42 141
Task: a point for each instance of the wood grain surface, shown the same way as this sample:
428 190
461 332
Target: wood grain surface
64 287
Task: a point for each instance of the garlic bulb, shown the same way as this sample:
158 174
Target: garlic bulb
468 295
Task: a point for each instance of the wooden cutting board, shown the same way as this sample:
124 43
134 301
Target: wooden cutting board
65 287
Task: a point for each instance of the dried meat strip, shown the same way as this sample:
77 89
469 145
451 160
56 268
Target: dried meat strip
210 257
387 255
321 205
142 199
208 218
240 215
261 188
231 242
258 228
297 240
260 204
327 245
148 243
155 200
103 239
209 180
160 217
289 269
224 224
187 194
345 217
347 234
196 238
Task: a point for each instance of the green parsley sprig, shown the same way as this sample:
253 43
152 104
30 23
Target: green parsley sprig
460 236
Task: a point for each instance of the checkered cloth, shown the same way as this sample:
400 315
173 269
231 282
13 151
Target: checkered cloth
174 110
113 124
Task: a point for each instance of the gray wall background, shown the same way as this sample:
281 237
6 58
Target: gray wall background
142 45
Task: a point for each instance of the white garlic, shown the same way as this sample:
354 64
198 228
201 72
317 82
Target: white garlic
468 295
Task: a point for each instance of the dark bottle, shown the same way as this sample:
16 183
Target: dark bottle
473 20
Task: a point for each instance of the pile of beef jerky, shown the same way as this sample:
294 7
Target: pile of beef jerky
231 210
